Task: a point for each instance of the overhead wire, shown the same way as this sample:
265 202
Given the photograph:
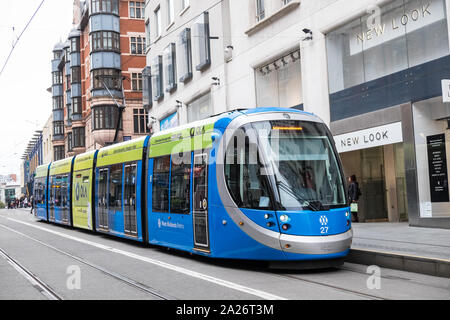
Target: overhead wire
18 38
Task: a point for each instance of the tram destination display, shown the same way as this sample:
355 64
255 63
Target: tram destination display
437 164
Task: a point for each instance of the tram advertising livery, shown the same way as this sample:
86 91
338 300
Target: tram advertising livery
257 184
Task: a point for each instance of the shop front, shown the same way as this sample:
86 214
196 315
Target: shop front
385 72
376 157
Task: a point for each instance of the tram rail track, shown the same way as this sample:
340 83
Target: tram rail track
40 285
135 284
337 288
334 287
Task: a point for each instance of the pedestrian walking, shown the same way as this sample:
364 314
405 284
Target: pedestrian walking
32 203
353 196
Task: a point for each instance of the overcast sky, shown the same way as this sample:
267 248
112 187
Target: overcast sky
25 103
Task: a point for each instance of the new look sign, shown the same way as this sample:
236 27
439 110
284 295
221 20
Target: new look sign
370 138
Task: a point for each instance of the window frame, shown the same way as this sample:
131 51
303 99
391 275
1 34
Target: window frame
140 115
139 44
170 73
79 137
158 22
136 81
132 7
203 44
184 45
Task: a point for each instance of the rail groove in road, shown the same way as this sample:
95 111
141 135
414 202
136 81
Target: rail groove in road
362 294
191 273
117 276
45 289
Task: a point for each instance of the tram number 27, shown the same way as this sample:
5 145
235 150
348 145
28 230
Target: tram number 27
323 230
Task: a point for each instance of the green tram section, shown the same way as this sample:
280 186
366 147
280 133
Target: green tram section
185 140
82 191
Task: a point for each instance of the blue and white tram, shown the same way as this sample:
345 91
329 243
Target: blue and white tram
257 184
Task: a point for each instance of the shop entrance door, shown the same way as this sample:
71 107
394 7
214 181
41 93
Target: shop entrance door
373 185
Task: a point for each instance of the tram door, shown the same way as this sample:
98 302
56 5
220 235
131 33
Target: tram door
102 205
51 203
130 222
200 201
64 188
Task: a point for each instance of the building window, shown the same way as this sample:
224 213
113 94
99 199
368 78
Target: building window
78 137
147 88
170 70
200 108
158 25
260 11
75 44
105 117
147 33
68 82
57 78
69 142
58 103
109 77
105 6
58 153
137 45
279 83
105 41
76 75
202 50
137 10
285 2
136 81
184 4
170 12
77 105
140 120
157 79
185 55
58 128
403 37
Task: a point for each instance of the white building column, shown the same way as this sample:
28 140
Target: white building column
315 76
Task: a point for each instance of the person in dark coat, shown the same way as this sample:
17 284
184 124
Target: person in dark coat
353 194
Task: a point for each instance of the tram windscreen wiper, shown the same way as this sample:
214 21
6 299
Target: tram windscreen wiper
314 205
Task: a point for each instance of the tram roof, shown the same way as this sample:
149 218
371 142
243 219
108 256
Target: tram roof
61 167
122 152
84 161
42 170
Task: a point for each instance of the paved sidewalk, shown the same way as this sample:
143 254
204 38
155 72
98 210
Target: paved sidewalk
399 246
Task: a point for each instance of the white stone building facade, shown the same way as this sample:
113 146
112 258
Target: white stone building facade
372 70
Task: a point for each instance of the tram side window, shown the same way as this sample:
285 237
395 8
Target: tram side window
130 188
57 190
102 189
38 191
161 174
51 192
248 187
180 184
64 190
115 188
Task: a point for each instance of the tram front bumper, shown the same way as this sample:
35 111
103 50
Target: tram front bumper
317 245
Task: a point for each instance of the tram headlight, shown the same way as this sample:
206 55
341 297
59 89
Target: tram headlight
284 218
285 227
